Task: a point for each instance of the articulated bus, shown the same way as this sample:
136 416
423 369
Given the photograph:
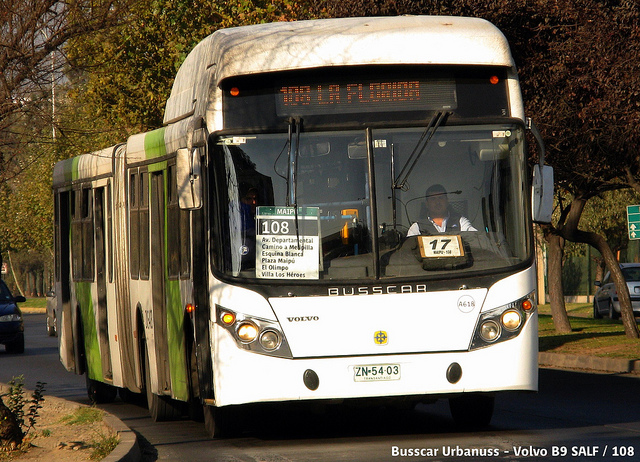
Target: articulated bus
273 240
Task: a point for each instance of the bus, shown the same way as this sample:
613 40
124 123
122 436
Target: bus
272 241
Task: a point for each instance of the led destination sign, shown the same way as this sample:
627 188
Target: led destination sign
365 96
368 94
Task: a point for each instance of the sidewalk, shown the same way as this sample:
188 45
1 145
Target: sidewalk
589 363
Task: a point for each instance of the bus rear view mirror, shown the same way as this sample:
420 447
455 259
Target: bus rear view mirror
189 178
492 154
357 150
542 193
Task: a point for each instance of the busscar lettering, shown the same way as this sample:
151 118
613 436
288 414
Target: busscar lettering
377 290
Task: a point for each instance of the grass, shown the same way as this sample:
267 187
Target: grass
83 416
34 302
589 336
103 445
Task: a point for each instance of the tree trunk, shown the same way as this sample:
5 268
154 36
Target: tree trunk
571 232
626 310
10 433
556 289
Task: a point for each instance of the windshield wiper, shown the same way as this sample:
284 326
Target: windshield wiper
435 122
295 125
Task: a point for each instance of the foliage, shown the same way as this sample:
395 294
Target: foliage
606 214
17 402
23 421
31 38
125 74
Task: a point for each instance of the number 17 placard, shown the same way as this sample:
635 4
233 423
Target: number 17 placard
440 246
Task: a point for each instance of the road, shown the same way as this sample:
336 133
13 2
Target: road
575 416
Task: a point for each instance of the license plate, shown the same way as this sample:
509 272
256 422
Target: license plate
376 372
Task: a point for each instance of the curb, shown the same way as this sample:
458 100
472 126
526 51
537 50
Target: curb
127 449
590 363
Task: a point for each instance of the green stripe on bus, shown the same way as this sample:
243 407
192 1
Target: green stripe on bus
175 334
91 345
175 316
154 144
73 173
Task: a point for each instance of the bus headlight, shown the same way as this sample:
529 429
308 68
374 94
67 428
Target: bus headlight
247 332
511 320
503 323
489 331
270 340
246 329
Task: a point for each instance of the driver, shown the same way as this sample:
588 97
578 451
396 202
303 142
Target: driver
441 218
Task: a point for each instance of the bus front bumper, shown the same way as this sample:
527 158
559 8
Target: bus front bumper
242 377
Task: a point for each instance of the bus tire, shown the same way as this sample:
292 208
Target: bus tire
161 408
472 411
219 422
99 392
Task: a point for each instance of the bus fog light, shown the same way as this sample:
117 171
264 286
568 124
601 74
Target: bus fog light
511 320
489 331
270 340
247 332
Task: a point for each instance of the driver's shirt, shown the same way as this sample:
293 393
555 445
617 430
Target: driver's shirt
463 225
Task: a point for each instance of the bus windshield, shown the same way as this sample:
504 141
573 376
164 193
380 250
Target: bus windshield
394 202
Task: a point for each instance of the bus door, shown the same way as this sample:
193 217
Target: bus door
101 283
158 280
63 270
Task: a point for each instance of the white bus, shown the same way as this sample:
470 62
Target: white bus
274 240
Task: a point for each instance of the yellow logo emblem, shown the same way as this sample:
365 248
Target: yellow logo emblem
381 338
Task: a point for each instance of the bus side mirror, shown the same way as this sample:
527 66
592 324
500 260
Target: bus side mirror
542 183
542 193
189 178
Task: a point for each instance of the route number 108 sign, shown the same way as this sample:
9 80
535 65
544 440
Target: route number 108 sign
287 247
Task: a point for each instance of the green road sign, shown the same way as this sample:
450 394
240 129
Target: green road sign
633 221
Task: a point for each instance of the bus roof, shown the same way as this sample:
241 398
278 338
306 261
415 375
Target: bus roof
83 167
332 42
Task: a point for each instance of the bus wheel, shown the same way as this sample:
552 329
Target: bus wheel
100 393
472 411
219 422
161 408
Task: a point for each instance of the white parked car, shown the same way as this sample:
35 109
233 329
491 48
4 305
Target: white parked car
605 301
52 314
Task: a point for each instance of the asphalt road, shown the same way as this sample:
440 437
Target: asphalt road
575 416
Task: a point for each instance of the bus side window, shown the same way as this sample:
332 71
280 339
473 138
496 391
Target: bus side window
143 223
179 244
88 254
76 236
134 225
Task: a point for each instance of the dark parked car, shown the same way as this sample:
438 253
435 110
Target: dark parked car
11 324
605 301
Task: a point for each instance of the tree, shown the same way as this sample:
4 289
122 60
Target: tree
124 74
587 92
33 34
